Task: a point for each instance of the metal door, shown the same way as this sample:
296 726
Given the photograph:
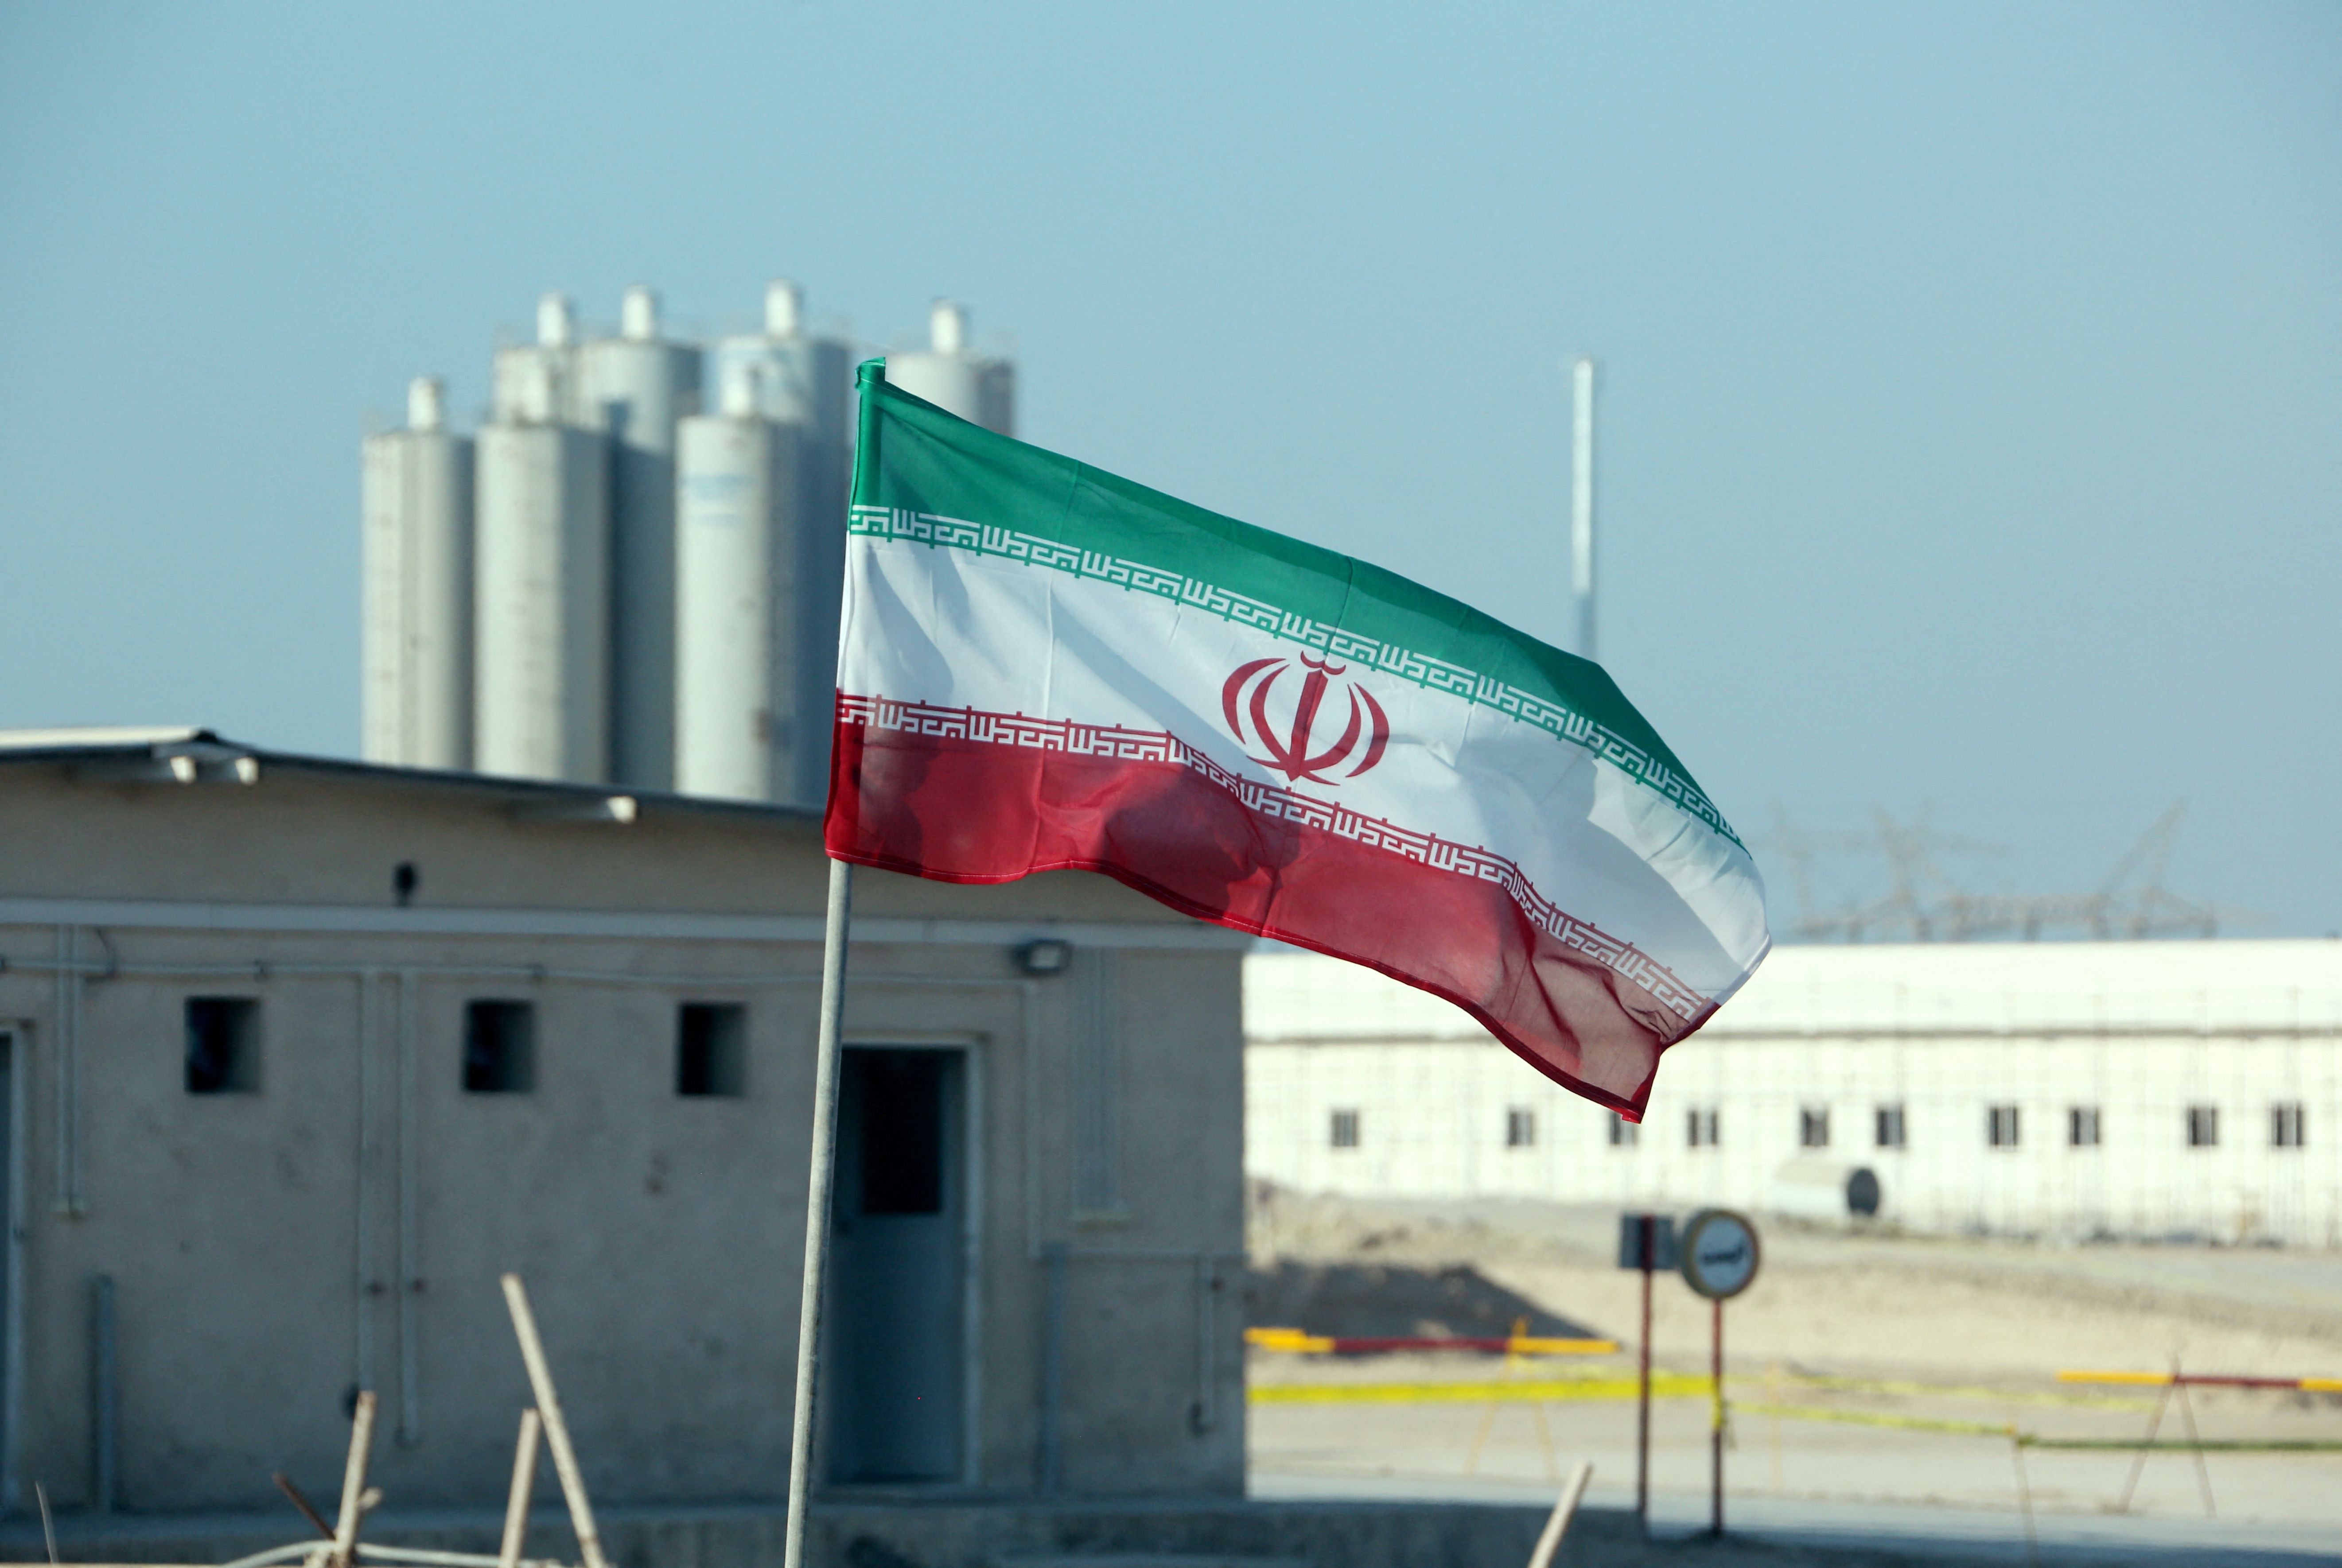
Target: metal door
893 1385
11 1258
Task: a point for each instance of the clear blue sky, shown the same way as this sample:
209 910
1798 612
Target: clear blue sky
1973 420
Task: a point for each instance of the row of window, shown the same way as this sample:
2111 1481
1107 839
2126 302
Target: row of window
2003 1128
711 1047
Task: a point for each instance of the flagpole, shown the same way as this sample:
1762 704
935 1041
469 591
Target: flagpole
822 1166
1581 502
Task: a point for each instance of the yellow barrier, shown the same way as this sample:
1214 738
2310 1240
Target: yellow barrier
1300 1341
2201 1380
1292 1339
1668 1386
1664 1385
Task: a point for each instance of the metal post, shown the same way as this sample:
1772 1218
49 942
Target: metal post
1643 1388
817 1183
1581 503
1716 1418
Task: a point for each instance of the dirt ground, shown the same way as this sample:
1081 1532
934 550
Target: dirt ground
1889 1333
1965 1310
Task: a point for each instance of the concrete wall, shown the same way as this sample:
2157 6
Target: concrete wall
2141 1032
344 1224
904 1533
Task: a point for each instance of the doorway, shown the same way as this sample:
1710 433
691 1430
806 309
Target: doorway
12 1260
894 1387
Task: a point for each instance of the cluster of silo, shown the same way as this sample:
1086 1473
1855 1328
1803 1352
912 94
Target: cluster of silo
609 586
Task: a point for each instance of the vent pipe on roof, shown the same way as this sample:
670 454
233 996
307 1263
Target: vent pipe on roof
425 403
737 389
556 323
784 308
638 315
948 328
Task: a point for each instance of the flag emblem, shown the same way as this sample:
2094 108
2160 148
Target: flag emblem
1244 702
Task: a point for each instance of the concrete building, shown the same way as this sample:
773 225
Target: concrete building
2073 1089
295 1055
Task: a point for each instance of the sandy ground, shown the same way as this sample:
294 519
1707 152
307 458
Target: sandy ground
1984 1326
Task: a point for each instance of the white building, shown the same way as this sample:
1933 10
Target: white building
2143 1089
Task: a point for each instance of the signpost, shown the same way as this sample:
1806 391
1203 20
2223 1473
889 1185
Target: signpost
1720 1254
1647 1242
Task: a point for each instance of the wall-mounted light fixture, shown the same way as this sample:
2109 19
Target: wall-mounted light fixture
1045 956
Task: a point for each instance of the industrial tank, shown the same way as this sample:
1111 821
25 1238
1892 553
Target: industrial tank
416 699
740 731
634 389
790 377
541 596
798 379
953 376
538 383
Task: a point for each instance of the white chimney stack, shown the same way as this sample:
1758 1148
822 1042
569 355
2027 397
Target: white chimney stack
638 315
947 328
784 308
556 325
425 403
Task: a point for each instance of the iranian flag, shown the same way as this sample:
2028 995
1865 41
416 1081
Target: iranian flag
1046 667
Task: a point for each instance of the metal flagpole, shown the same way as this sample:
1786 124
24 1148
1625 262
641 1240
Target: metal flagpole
1649 1227
1581 502
1715 1419
817 1183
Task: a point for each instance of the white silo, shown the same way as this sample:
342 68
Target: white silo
740 731
799 379
953 376
537 383
634 389
788 376
417 700
541 599
947 373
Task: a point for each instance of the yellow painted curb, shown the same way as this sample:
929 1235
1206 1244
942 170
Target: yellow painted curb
1668 1386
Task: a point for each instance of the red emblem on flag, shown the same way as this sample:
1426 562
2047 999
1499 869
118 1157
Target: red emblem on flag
1245 698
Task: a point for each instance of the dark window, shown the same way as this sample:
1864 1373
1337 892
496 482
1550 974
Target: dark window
1520 1128
2000 1127
2288 1127
2082 1126
499 1047
710 1049
902 1130
223 1045
1813 1127
1699 1128
1889 1127
1344 1134
2202 1126
1624 1133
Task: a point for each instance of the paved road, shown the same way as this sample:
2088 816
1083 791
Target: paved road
1922 1532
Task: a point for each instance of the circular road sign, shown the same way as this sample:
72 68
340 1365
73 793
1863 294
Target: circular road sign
1719 1253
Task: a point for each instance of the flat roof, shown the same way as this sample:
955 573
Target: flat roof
186 753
